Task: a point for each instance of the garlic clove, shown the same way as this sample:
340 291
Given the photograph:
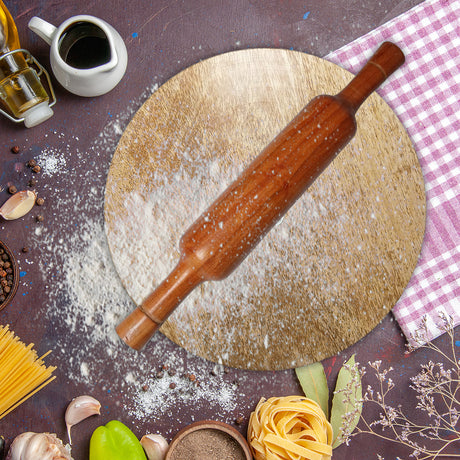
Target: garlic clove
155 446
33 446
18 205
80 408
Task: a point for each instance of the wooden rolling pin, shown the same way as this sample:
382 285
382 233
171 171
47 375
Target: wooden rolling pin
219 240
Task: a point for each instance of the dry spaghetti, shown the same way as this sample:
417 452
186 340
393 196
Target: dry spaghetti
22 372
289 428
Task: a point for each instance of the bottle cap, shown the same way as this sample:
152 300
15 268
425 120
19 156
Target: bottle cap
37 114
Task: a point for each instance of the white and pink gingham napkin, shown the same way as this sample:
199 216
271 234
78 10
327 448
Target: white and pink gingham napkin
425 95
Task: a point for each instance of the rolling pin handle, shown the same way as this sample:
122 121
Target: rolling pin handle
380 66
137 328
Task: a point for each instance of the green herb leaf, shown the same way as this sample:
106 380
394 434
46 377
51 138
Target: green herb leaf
347 401
314 384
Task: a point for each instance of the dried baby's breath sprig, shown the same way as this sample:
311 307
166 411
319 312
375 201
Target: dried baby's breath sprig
437 388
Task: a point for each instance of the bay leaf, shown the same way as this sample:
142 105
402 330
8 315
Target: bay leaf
347 399
313 381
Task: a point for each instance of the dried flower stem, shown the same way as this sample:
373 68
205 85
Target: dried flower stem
437 388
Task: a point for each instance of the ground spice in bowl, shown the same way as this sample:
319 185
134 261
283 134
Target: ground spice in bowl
9 275
208 440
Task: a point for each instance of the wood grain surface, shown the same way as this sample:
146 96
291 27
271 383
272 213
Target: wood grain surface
321 279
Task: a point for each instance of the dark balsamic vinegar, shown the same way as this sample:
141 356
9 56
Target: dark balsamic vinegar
84 46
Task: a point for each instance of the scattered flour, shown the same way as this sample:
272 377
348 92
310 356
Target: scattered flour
86 298
51 161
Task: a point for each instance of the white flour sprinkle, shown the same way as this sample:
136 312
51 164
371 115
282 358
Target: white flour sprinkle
87 299
51 161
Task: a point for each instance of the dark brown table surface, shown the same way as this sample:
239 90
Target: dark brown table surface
75 147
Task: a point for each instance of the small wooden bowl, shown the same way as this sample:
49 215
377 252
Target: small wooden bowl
213 440
14 266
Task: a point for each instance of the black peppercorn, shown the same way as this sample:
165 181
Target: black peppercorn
15 149
12 189
31 163
7 281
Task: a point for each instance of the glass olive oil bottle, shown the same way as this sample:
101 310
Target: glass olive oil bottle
21 90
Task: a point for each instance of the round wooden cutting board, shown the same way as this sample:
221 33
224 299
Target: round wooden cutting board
335 265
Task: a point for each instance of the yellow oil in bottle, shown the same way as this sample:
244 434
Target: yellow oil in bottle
9 39
20 86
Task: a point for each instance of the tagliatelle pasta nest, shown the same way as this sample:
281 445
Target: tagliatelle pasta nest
289 428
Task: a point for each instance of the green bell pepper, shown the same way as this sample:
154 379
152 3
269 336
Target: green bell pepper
115 441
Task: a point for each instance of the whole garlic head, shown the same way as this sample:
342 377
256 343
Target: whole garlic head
33 446
155 446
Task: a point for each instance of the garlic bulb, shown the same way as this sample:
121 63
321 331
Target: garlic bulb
80 408
33 446
18 205
155 446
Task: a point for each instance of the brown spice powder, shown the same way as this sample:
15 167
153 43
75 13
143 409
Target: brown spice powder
208 444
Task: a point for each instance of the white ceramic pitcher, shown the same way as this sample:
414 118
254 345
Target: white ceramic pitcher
88 56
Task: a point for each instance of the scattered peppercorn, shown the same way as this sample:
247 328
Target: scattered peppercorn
15 149
172 385
32 182
6 275
31 163
40 201
25 249
239 420
145 387
40 218
12 189
36 169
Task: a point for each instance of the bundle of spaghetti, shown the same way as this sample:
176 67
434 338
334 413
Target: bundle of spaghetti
22 372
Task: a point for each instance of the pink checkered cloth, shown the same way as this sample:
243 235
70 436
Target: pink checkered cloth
425 95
